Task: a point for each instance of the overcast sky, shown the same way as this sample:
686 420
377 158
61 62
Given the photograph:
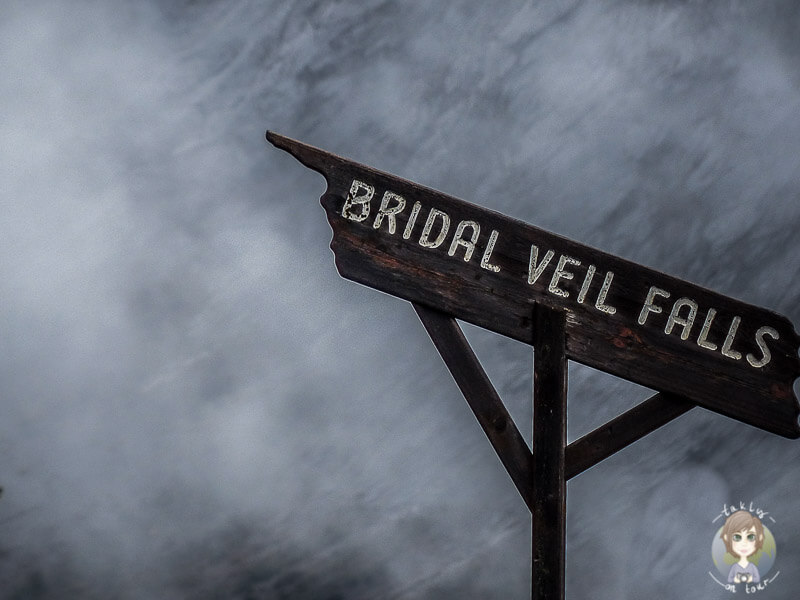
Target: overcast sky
193 403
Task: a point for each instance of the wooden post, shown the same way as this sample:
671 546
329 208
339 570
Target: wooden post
549 442
619 329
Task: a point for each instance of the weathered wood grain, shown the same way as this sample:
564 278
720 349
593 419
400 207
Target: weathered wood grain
713 367
549 513
622 431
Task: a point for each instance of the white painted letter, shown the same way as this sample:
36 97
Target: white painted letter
534 270
385 211
560 273
487 254
648 303
469 245
702 340
360 195
412 219
587 281
601 298
426 231
674 317
726 345
762 345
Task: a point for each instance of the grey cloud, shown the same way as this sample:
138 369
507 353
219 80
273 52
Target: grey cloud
196 405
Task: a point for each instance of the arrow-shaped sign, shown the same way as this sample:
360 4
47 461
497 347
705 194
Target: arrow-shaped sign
622 318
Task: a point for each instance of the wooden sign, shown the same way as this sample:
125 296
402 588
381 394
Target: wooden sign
622 318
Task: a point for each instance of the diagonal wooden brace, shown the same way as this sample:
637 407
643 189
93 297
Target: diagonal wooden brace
622 431
503 434
481 396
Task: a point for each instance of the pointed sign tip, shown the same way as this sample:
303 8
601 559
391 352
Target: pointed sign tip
288 144
276 139
312 157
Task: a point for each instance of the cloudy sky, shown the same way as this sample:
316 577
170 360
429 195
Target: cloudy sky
194 404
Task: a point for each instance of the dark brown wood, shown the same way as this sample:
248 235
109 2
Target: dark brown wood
549 514
486 404
618 331
622 431
481 396
499 427
696 346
